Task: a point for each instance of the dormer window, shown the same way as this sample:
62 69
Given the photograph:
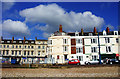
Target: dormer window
115 32
2 41
32 41
76 33
14 41
26 41
20 41
8 41
104 32
39 42
90 34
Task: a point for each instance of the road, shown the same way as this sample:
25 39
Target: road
105 71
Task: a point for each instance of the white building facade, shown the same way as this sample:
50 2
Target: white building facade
84 46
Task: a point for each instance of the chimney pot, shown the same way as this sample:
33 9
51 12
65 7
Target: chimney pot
12 39
95 31
24 39
82 31
35 38
1 38
107 30
60 28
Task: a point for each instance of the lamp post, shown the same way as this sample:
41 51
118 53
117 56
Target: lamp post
99 48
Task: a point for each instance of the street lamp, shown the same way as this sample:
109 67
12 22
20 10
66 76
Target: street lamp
99 49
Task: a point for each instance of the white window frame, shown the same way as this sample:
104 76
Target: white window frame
26 41
65 48
79 49
8 41
115 32
76 33
108 49
107 40
14 41
94 57
79 41
65 41
94 40
94 49
90 34
117 40
38 53
20 41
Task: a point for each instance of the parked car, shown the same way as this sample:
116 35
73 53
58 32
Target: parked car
92 62
74 61
113 61
110 61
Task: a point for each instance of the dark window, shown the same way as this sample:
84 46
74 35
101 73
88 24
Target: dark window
28 46
38 52
24 52
12 52
65 56
93 40
28 52
107 40
0 52
7 46
16 46
12 46
32 47
108 49
39 47
3 52
19 46
7 52
117 40
4 46
19 52
15 52
31 52
43 47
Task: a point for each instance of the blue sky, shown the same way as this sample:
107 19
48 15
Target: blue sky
40 19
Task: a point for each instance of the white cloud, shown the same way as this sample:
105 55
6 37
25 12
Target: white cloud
53 15
15 28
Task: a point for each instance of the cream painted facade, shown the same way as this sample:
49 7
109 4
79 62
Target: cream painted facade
59 50
23 51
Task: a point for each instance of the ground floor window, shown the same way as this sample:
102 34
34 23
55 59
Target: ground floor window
80 58
94 57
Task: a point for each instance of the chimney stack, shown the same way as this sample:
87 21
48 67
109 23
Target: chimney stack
24 39
1 38
82 31
12 39
95 31
60 28
35 38
107 30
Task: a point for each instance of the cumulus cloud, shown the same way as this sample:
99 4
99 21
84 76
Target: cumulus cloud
15 28
53 15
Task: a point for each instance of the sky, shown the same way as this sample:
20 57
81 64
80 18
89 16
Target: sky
40 19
